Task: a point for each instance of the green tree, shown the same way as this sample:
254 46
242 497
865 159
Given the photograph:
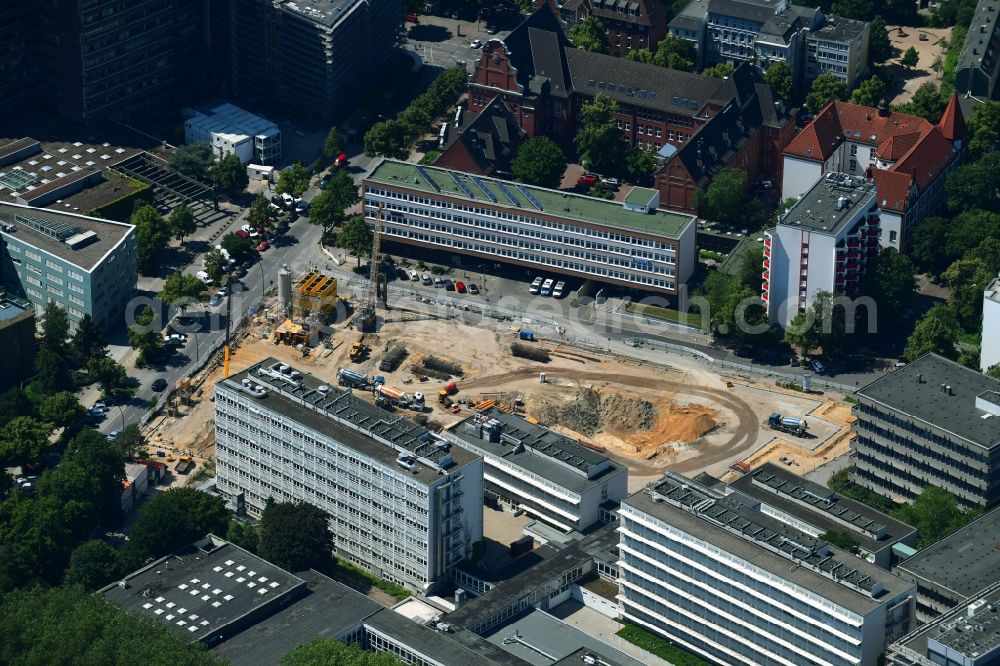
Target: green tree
825 87
230 175
987 252
260 210
239 249
110 375
55 327
539 161
869 93
23 439
388 139
328 652
192 160
102 460
14 402
131 443
676 53
752 268
779 76
725 294
416 120
935 514
967 279
174 518
639 163
725 200
215 265
293 179
598 140
356 237
926 103
926 241
182 223
67 625
151 235
323 211
62 409
52 361
935 332
975 185
333 145
910 58
295 535
968 230
588 34
243 535
993 371
642 55
88 341
891 284
178 286
859 10
984 129
829 329
93 564
880 49
719 70
143 337
343 192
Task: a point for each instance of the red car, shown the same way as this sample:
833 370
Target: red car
411 18
588 180
341 160
263 246
242 234
460 287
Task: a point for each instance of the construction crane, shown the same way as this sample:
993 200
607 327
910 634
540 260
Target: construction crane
377 290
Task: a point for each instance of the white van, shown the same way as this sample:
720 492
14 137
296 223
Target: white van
414 276
203 276
547 287
560 290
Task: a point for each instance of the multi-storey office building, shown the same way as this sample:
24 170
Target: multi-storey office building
27 71
817 510
547 475
907 157
824 242
989 351
309 57
930 423
630 243
403 503
229 130
719 577
840 47
86 265
968 635
955 568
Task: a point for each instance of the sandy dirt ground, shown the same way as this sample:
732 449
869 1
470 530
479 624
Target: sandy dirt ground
929 52
649 417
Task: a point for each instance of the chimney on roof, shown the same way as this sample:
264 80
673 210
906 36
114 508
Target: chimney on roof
883 108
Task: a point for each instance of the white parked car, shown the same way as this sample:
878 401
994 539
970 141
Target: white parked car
547 287
560 290
204 277
475 44
536 285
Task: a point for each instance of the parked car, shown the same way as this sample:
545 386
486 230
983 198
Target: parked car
448 285
560 290
159 385
438 282
491 30
475 44
204 277
242 233
263 246
341 160
587 180
425 278
301 205
610 183
414 277
473 289
412 18
113 435
536 285
325 182
215 300
547 287
817 366
460 287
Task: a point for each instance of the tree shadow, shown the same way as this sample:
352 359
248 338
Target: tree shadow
423 32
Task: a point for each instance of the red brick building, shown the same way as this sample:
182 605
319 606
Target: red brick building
545 82
485 144
628 24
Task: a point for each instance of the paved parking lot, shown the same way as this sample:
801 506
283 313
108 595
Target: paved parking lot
445 42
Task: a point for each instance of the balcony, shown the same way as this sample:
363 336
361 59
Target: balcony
767 243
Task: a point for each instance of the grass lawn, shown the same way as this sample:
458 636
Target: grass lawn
660 647
689 318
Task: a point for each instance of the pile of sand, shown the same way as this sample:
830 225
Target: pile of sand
591 411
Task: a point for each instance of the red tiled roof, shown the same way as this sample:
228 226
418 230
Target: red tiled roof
895 147
893 188
927 159
862 123
952 121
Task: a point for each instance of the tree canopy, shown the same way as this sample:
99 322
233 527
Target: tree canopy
910 58
23 439
93 564
295 535
935 332
53 358
333 145
588 34
869 93
598 139
229 174
240 249
61 409
539 161
293 179
975 185
779 76
388 138
356 237
151 235
936 514
328 652
880 48
726 199
672 53
181 222
825 87
88 341
175 518
926 103
179 286
192 160
719 70
968 278
984 129
892 285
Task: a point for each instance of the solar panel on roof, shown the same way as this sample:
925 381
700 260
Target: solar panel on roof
51 228
507 193
461 185
426 176
481 185
530 197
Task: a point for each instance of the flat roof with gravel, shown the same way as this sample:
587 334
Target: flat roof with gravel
505 194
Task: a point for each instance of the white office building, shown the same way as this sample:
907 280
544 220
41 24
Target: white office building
403 503
989 351
541 472
230 130
630 243
823 243
718 577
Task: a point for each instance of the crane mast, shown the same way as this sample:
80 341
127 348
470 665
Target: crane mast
377 290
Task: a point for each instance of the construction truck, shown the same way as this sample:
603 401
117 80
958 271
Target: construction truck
184 465
392 395
788 424
359 351
352 379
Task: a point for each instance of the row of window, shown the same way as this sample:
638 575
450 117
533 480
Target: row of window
908 426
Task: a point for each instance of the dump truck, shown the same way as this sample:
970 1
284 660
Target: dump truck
359 351
788 424
184 465
352 379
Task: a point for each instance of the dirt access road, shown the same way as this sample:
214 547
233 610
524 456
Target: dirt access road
744 434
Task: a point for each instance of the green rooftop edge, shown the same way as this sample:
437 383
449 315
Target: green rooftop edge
561 204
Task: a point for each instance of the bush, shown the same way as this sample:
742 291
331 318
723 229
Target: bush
438 270
653 644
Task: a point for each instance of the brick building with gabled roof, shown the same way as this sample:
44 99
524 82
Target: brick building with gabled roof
629 24
486 142
907 157
544 82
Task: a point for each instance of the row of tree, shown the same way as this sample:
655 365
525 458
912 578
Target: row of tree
196 161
